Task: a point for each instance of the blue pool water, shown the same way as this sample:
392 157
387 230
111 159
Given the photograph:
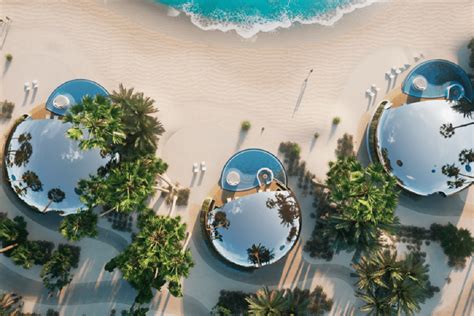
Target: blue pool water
441 76
75 90
250 16
247 163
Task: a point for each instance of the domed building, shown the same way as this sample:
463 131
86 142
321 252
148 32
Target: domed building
423 132
44 166
254 219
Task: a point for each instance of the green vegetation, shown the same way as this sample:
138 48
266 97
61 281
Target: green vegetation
245 125
10 304
391 287
362 205
345 146
6 109
101 119
9 57
155 257
12 232
55 195
316 135
56 272
336 120
124 187
77 226
457 243
273 302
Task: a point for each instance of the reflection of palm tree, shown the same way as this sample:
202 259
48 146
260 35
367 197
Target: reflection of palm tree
54 195
464 107
24 151
219 220
287 208
32 181
258 254
450 170
448 130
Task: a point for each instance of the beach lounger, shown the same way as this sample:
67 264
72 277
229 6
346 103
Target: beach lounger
195 168
27 86
35 84
368 92
203 166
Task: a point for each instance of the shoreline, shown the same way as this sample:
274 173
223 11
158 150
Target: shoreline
252 28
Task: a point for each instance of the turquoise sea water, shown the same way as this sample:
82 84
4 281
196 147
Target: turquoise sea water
251 16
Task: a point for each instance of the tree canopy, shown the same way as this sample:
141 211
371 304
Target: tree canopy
155 257
365 200
56 273
77 226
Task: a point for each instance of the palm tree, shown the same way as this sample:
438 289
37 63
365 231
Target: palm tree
12 232
388 286
10 304
266 302
141 128
258 254
365 200
102 121
319 303
55 195
77 226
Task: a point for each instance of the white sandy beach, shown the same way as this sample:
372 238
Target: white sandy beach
206 83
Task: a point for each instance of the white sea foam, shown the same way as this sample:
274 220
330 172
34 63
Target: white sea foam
254 25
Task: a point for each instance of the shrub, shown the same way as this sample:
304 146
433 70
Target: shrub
245 125
232 301
6 109
336 120
9 57
183 197
345 146
316 135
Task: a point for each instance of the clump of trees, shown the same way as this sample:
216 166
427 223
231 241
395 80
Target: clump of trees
245 125
273 302
56 264
358 206
345 146
389 286
155 257
56 273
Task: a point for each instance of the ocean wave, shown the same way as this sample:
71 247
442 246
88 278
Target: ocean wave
249 26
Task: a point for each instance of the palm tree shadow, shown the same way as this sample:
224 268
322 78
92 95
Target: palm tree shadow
6 67
240 140
332 132
313 143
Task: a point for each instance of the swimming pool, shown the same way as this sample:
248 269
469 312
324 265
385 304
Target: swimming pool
71 92
248 164
437 78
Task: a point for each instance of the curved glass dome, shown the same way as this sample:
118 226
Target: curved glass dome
252 167
44 166
71 92
257 229
440 79
411 145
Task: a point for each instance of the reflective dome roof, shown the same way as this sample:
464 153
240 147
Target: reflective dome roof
43 162
256 229
412 148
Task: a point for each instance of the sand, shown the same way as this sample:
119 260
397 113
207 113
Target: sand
206 83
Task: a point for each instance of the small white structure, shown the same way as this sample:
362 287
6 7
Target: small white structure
35 84
26 86
203 166
195 168
420 83
61 101
233 178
